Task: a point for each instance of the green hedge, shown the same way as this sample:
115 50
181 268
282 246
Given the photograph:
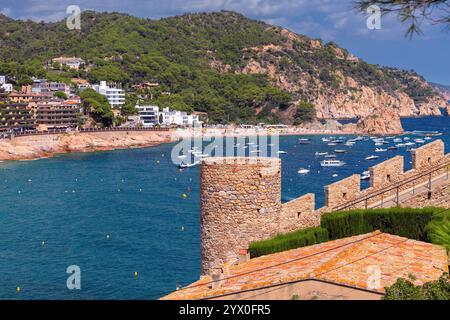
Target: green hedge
280 243
404 222
428 224
438 230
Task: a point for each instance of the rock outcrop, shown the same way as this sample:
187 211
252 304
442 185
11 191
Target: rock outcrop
383 122
43 146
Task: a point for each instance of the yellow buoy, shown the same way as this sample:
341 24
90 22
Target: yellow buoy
184 196
42 243
18 289
136 274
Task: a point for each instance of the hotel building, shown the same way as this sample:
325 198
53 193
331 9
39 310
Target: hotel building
116 97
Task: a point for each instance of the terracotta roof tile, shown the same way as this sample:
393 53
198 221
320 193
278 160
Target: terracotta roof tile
344 261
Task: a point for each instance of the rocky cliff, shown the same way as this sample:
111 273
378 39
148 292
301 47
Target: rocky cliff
43 146
338 83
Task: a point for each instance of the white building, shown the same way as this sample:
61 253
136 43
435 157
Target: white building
71 62
148 115
8 87
116 97
5 86
177 118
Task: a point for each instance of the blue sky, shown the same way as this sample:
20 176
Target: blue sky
331 20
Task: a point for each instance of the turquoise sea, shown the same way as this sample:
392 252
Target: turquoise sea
121 212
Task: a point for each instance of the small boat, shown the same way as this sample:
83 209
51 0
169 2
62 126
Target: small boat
410 144
380 150
393 148
397 140
419 141
304 141
332 163
304 171
325 140
332 144
428 138
330 156
340 151
201 155
281 152
256 151
319 154
372 157
400 145
365 177
188 165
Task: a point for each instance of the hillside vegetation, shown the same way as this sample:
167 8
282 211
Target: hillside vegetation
233 68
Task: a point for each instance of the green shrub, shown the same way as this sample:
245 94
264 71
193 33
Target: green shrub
344 224
280 243
404 222
406 290
438 230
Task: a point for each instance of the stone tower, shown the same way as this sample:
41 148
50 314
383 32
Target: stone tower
240 203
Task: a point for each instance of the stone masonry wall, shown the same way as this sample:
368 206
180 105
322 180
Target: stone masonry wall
439 197
342 191
428 154
240 203
300 214
241 199
387 172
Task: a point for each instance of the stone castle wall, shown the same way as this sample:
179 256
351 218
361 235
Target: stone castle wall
342 191
300 214
240 203
387 172
241 199
428 154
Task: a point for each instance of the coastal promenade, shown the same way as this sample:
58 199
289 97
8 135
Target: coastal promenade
92 130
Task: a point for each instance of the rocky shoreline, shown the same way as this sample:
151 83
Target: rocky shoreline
386 122
45 146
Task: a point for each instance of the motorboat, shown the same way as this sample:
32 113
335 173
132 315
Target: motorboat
380 150
319 154
330 156
365 175
332 163
188 165
281 152
304 171
372 157
304 141
340 151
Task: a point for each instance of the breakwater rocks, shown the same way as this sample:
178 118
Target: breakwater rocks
42 146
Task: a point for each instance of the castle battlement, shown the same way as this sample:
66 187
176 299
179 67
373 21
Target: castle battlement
241 199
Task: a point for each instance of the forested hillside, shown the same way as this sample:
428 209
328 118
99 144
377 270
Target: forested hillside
234 68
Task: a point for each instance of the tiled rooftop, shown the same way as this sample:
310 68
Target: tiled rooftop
345 262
